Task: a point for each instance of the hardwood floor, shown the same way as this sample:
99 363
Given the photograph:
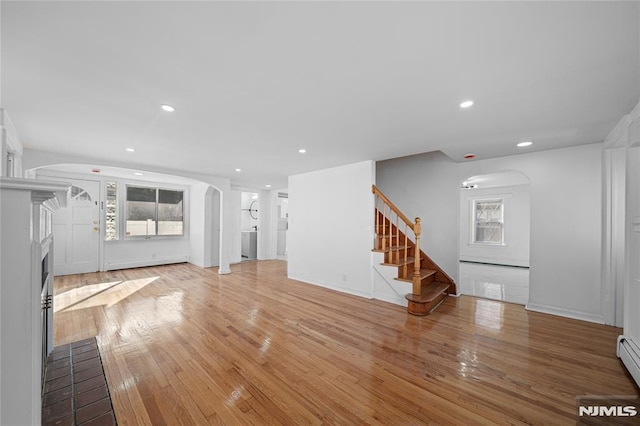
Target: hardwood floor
184 345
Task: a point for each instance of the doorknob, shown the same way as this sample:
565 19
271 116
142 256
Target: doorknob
95 228
95 222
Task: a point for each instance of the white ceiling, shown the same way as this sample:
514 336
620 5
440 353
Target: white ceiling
252 82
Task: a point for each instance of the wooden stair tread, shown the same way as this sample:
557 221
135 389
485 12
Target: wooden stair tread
390 249
401 262
429 293
424 273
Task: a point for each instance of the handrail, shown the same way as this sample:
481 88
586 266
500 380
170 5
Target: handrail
387 234
393 207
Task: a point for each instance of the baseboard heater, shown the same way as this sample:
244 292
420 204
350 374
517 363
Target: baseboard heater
629 352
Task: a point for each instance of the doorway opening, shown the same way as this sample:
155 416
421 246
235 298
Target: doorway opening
249 220
494 234
283 225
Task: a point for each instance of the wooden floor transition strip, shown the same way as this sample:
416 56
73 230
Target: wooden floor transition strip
76 391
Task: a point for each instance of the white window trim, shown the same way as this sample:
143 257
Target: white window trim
122 210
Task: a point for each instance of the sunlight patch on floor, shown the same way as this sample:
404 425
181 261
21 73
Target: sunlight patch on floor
102 294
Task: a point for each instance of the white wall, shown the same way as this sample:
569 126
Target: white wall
115 253
197 223
213 219
330 228
565 218
516 202
232 203
124 254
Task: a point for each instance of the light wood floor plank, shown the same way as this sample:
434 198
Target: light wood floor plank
184 345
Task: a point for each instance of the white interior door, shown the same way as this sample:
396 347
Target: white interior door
76 230
632 297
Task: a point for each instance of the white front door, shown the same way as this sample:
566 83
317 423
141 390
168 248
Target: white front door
76 229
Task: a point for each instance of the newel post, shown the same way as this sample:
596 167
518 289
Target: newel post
417 230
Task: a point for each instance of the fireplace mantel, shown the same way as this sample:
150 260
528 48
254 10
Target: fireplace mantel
26 250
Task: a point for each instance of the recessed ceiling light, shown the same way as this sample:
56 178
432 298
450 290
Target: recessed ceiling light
523 144
302 151
238 170
268 186
466 104
137 173
130 149
168 108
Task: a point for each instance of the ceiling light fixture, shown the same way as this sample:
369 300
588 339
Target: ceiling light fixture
302 151
137 173
523 144
238 170
168 108
268 186
466 104
130 149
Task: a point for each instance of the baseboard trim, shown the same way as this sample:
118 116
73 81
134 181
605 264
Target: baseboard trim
567 313
111 266
331 286
629 353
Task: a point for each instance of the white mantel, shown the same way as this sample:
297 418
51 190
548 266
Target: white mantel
25 239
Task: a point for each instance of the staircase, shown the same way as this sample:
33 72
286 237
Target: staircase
399 239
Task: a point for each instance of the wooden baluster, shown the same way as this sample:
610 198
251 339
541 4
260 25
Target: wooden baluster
397 245
406 251
387 230
417 230
377 243
384 230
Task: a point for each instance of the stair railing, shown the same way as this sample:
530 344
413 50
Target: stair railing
387 231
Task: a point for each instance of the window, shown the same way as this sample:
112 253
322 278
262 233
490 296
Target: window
488 223
112 211
154 211
79 194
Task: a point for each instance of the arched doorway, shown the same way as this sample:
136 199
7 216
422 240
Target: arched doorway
494 236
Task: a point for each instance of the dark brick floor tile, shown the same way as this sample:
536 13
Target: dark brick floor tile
61 349
83 365
83 349
57 373
89 341
55 356
91 411
87 374
61 363
91 396
87 385
57 396
58 410
56 384
64 421
86 355
104 420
